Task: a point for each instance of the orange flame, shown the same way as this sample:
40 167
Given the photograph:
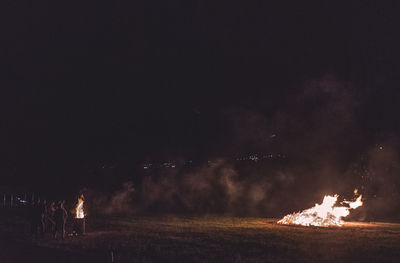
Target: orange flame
325 214
79 207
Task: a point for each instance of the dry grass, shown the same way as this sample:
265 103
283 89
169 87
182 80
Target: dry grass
230 239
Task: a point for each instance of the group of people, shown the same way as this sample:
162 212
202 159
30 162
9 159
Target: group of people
46 218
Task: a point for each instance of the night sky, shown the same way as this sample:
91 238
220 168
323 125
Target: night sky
108 82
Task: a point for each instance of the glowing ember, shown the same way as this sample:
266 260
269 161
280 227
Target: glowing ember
325 214
79 207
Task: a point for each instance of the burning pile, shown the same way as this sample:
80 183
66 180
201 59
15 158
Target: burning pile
325 214
79 208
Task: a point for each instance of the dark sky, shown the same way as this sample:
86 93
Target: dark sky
110 81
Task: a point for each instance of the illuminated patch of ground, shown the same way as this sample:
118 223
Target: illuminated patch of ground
230 239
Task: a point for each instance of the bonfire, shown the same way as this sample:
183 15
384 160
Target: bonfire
323 215
79 208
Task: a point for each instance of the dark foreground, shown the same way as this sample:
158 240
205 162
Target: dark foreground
203 239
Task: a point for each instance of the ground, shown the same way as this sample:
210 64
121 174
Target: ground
204 239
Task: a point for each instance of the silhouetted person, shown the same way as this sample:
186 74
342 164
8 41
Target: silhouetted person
50 217
35 218
43 214
60 218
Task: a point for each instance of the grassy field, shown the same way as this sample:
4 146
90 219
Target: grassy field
230 239
227 239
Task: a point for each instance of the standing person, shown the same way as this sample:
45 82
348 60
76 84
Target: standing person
43 214
36 218
60 217
50 217
33 219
